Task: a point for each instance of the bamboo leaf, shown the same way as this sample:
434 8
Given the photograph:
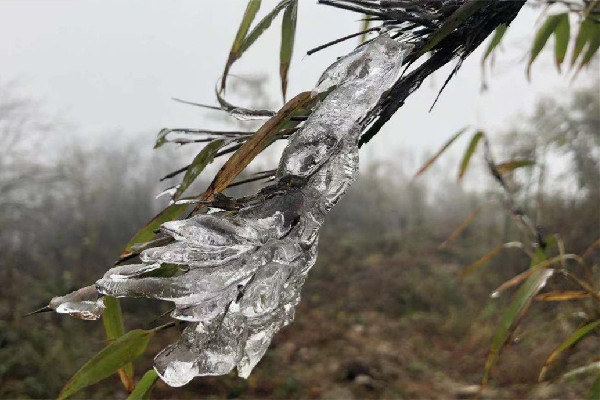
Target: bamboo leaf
147 232
509 166
542 36
514 281
235 52
594 392
205 157
461 228
288 34
499 33
254 145
469 154
512 315
112 318
365 25
482 261
430 162
144 386
592 48
565 295
562 35
108 361
569 342
262 26
584 35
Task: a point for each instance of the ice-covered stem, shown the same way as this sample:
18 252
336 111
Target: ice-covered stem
236 276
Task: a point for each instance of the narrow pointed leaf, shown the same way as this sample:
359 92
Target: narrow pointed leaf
254 145
461 228
509 166
562 35
584 35
592 48
430 162
144 387
235 52
494 42
365 25
594 392
147 232
512 315
263 25
288 34
482 261
108 361
205 157
112 318
542 36
464 164
569 342
565 295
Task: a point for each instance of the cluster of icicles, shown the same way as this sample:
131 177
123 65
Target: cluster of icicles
238 275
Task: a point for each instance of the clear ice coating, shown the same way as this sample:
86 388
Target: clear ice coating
84 303
236 277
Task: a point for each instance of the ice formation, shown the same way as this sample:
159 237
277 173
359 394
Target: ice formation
236 276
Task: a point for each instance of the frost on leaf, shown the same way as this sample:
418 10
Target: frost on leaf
236 277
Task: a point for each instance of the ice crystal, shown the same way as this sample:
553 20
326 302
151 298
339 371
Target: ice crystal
236 277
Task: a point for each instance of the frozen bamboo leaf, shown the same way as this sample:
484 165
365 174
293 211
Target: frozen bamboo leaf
593 46
144 387
205 157
365 26
235 52
84 303
430 162
569 342
108 361
253 146
147 233
263 25
464 164
543 34
288 33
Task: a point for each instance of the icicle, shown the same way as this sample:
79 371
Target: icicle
240 273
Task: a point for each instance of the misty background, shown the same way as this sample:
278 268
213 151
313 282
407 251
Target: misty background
85 86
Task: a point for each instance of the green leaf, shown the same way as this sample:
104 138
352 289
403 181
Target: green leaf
496 39
144 386
430 162
562 34
235 53
512 315
108 361
146 233
586 29
288 34
365 25
205 157
594 393
112 317
569 342
262 26
594 45
469 154
161 138
509 166
542 36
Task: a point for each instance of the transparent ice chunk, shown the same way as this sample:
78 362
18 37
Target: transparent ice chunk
236 276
